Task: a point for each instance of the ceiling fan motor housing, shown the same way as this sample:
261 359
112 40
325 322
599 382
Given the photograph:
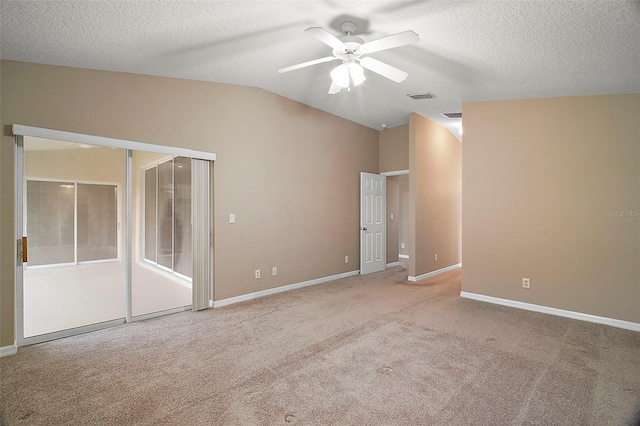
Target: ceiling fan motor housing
351 49
349 27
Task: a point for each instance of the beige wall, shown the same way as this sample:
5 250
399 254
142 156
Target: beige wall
434 196
289 172
551 192
393 208
394 149
86 164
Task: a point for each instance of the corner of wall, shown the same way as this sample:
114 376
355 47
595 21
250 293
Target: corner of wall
435 181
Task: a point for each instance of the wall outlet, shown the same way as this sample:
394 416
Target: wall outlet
391 216
274 271
401 245
436 258
232 218
257 273
526 283
346 259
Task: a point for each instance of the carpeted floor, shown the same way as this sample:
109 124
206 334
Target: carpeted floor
372 350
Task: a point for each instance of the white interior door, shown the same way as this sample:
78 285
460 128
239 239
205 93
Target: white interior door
373 239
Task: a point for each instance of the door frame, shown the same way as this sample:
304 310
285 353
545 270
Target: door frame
20 131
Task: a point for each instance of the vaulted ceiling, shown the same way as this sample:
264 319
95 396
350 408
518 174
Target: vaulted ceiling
468 50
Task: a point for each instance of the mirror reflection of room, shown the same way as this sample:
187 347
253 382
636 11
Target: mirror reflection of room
74 210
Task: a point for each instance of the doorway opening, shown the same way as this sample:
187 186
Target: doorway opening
398 219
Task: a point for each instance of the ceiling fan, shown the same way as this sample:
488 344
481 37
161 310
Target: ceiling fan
351 50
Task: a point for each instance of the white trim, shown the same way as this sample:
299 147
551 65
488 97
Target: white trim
40 338
183 277
19 232
263 293
39 132
627 325
403 256
431 274
395 173
8 350
128 236
392 264
75 224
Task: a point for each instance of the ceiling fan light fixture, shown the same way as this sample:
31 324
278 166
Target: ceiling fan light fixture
340 75
357 73
349 72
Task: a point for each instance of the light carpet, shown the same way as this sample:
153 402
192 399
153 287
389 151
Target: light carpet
365 350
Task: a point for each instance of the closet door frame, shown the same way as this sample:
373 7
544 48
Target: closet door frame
20 131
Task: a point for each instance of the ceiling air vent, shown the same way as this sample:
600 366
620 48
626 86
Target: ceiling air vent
421 95
452 114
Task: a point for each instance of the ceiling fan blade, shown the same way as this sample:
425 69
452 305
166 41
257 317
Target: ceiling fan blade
383 69
325 37
308 63
384 43
335 88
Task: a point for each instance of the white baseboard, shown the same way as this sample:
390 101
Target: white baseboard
8 350
268 292
627 325
403 256
392 264
430 274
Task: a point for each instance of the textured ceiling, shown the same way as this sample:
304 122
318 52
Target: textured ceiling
468 50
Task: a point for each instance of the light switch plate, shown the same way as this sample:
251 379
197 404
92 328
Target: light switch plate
232 218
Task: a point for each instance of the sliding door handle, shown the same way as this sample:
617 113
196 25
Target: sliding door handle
21 249
24 250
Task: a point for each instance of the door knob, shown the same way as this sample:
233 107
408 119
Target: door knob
363 228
